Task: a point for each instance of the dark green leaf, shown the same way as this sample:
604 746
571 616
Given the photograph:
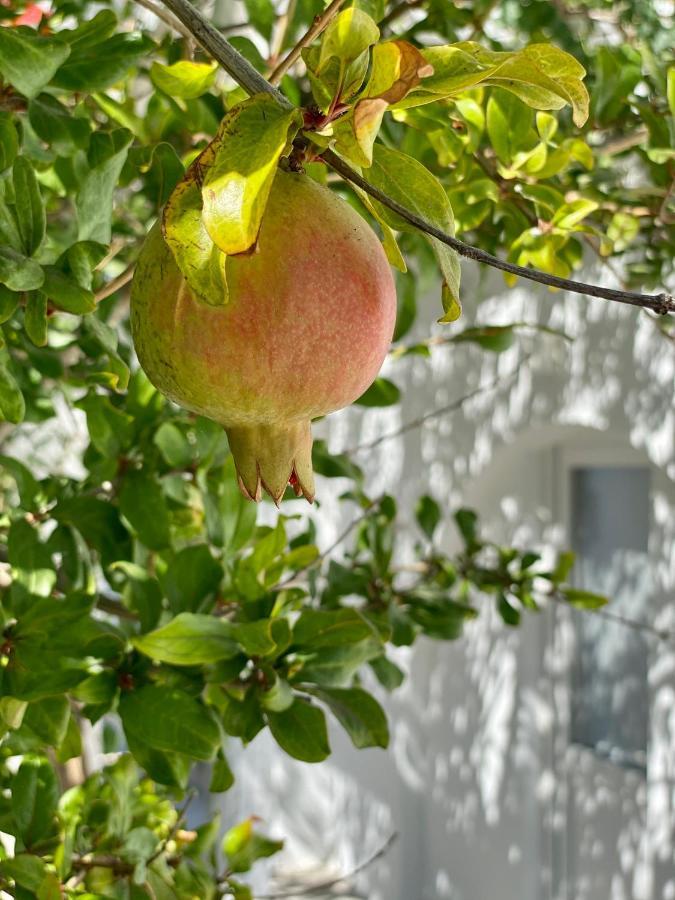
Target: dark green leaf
382 392
35 318
18 272
170 720
66 293
191 576
27 60
48 719
300 730
35 793
323 628
428 515
29 206
107 153
190 640
359 713
222 778
56 124
143 505
12 405
9 141
94 66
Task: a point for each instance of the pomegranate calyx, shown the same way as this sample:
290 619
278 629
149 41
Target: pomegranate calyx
271 456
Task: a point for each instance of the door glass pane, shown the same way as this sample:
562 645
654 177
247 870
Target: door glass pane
610 528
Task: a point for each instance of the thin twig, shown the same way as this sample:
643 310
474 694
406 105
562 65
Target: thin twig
251 80
396 11
113 286
165 17
318 560
333 882
457 404
662 634
281 30
320 22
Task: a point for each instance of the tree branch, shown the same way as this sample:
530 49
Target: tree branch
165 17
254 83
318 25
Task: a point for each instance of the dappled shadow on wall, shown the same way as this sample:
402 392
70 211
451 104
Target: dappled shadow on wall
487 780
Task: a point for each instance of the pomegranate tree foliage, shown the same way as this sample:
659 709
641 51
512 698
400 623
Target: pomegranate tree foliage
143 595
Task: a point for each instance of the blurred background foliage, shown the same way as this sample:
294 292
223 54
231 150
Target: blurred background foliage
139 591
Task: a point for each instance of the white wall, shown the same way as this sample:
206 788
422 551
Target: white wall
479 781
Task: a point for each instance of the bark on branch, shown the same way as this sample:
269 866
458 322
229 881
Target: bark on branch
254 83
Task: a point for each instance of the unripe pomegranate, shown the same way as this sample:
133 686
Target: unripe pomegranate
304 331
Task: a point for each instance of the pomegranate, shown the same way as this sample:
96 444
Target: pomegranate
304 331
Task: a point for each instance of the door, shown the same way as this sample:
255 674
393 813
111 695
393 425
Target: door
606 844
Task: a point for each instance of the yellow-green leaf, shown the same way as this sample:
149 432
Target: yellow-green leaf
198 258
350 33
184 79
411 184
543 76
238 175
397 68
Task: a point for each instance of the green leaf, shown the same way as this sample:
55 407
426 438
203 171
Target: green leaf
347 36
411 184
541 75
336 666
30 559
564 566
509 614
66 293
9 141
12 405
242 163
262 15
35 318
382 392
428 515
509 125
467 523
94 65
583 599
359 713
387 673
670 89
243 846
170 720
57 126
242 718
190 577
26 870
9 301
185 79
143 505
570 214
48 719
35 793
255 638
94 200
99 524
222 778
18 272
28 61
330 628
198 258
300 730
26 484
189 640
495 338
